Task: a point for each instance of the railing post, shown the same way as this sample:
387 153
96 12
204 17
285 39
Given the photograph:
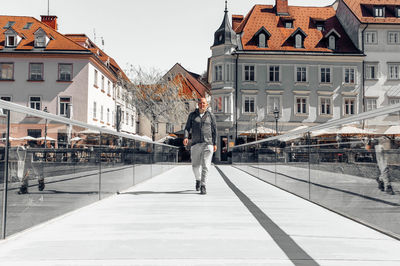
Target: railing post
5 188
100 167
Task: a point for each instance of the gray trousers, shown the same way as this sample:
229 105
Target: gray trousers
201 154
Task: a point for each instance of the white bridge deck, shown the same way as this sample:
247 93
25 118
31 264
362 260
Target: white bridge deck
164 221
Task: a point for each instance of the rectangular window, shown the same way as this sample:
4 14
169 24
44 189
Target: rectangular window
6 71
108 115
349 106
301 74
371 37
127 119
371 71
96 76
394 71
226 104
289 24
109 88
64 106
218 104
325 106
11 41
249 73
132 120
371 104
228 72
5 98
398 12
36 71
393 37
102 83
394 101
218 73
301 105
274 73
249 104
325 75
349 75
94 110
274 101
101 113
65 72
379 11
35 102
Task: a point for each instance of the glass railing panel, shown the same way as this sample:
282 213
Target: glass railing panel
142 161
116 155
267 161
358 171
157 158
3 130
50 172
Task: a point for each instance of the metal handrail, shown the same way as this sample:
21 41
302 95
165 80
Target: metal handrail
38 113
336 122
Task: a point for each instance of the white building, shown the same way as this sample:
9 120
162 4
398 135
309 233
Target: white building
42 68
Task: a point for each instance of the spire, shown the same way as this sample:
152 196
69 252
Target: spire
225 33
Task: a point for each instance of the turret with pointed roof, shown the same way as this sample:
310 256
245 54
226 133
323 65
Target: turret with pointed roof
225 34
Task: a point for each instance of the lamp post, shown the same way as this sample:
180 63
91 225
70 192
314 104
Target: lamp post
45 128
276 116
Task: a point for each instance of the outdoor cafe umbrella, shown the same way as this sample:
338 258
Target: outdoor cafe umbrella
260 130
76 138
10 138
27 138
47 138
392 130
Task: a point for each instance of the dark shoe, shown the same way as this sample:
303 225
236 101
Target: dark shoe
197 185
23 190
380 185
389 190
203 190
41 185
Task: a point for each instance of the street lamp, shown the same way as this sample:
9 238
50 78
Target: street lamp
45 127
276 116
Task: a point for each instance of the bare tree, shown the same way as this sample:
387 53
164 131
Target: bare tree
159 97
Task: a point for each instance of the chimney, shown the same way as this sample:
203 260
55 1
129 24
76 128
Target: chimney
50 21
282 8
236 20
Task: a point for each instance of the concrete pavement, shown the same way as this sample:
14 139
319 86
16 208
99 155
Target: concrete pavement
163 221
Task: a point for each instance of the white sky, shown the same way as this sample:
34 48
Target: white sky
149 33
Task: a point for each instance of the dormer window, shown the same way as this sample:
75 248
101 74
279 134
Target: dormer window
398 12
320 26
261 41
9 24
11 41
332 42
41 38
289 24
261 37
332 36
298 41
379 11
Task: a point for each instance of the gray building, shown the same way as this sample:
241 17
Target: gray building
298 61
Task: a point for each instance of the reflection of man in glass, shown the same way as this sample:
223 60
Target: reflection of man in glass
202 124
383 180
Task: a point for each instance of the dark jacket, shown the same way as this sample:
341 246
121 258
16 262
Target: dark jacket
203 129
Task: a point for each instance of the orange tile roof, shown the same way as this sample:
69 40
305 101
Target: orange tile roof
303 18
57 42
363 9
191 82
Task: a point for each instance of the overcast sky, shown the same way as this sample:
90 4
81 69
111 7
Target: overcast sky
149 33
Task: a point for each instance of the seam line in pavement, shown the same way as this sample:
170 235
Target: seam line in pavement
294 252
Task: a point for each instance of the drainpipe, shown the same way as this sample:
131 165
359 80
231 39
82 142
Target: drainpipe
363 73
236 97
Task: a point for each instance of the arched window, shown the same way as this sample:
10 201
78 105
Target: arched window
299 41
332 42
261 40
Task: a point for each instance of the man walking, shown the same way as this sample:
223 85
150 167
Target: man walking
202 124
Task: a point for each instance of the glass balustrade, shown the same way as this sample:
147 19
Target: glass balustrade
56 165
351 166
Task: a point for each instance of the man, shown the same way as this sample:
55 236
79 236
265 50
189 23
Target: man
383 179
204 142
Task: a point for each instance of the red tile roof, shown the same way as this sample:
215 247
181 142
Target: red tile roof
363 10
57 40
191 82
303 18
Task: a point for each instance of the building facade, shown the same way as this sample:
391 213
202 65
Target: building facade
374 26
67 75
298 61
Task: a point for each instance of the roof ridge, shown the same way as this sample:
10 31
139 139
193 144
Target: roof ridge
241 26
